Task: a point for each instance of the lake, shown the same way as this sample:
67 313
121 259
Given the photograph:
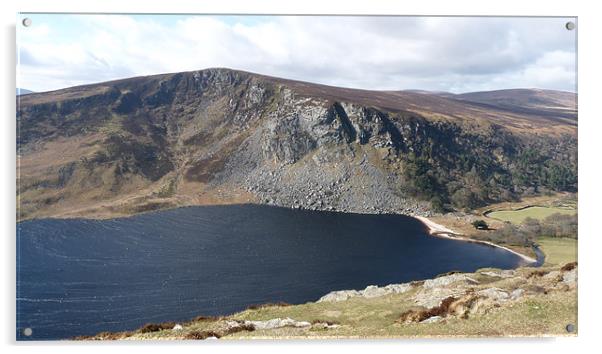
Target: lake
82 276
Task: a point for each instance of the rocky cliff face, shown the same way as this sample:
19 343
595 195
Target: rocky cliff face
224 136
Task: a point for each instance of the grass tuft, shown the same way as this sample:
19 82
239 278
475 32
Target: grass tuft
267 305
156 327
200 335
568 267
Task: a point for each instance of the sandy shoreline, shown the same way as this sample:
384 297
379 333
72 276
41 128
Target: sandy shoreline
442 231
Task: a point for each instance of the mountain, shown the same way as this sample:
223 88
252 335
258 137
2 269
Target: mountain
22 91
221 136
533 101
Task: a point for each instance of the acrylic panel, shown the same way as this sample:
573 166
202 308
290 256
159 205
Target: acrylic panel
199 177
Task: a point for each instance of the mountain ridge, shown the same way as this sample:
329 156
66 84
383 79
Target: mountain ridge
399 100
225 136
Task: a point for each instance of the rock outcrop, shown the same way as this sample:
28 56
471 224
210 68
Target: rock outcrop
277 323
370 292
461 294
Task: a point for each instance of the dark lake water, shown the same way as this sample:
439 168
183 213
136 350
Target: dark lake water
82 276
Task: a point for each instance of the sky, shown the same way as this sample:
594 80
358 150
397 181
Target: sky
454 54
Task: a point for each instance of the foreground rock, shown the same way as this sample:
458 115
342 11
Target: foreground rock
278 323
461 295
370 292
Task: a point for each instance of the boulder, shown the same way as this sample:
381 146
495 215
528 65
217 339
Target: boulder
516 294
341 295
494 294
447 280
570 277
277 323
432 319
432 297
398 288
374 291
553 275
508 273
371 291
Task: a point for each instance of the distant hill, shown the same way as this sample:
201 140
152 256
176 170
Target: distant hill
528 101
22 91
220 136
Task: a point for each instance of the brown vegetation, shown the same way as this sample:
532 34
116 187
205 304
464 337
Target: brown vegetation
106 336
155 327
267 305
460 306
204 170
200 335
218 333
207 318
569 266
239 328
556 225
326 322
537 273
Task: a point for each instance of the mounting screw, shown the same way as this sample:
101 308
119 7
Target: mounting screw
26 22
570 25
570 328
27 332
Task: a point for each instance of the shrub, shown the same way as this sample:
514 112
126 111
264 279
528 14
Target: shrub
569 266
556 225
480 224
269 304
156 327
560 225
200 335
511 234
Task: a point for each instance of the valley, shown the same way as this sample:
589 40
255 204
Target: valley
492 167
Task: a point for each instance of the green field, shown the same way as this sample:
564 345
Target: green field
536 212
558 250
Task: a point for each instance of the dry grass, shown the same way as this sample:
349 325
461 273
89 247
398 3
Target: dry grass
269 304
544 314
200 335
568 267
419 315
156 327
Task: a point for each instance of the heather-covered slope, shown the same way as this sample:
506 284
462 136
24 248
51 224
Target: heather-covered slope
222 136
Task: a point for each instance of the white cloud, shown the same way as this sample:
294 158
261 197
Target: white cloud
456 54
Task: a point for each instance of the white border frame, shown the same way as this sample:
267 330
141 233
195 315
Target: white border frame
590 117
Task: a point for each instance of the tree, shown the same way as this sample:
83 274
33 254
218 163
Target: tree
480 225
465 198
437 204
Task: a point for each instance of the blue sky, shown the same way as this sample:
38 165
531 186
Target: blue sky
457 54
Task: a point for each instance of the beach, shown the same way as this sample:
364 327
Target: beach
442 231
